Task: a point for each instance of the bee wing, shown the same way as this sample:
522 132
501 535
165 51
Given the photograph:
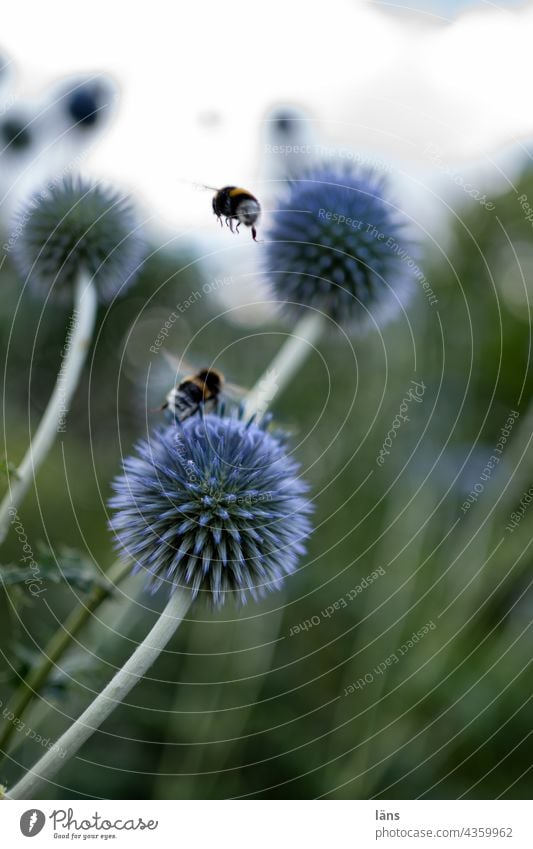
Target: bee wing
179 366
182 367
201 186
234 391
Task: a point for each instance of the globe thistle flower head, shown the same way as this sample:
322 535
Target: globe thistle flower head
336 244
213 504
16 134
84 105
78 226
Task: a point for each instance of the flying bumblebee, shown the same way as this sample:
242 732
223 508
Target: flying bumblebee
197 391
235 204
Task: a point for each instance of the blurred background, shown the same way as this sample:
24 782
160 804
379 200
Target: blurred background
250 702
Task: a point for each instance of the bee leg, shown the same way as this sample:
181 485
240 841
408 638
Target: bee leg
230 220
237 227
254 234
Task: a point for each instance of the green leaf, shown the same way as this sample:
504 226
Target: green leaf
67 565
70 565
8 469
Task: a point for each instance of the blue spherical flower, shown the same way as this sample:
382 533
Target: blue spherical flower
337 244
78 226
16 134
212 504
87 102
83 107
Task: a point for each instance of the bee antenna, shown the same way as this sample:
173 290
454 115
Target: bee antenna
198 185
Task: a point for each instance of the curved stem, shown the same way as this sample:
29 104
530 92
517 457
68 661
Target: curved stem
285 364
56 647
104 704
77 344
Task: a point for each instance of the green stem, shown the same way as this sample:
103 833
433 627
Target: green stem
104 704
52 422
57 646
285 364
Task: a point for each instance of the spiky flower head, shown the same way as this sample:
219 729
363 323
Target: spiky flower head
86 103
213 504
16 134
338 245
76 226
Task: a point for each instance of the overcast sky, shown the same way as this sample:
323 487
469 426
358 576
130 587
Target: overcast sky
198 80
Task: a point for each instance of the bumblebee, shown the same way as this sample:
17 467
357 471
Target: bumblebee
234 204
198 391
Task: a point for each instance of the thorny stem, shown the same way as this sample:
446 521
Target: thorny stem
104 704
58 644
285 364
278 375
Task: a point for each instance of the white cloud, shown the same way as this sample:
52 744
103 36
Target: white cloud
383 81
